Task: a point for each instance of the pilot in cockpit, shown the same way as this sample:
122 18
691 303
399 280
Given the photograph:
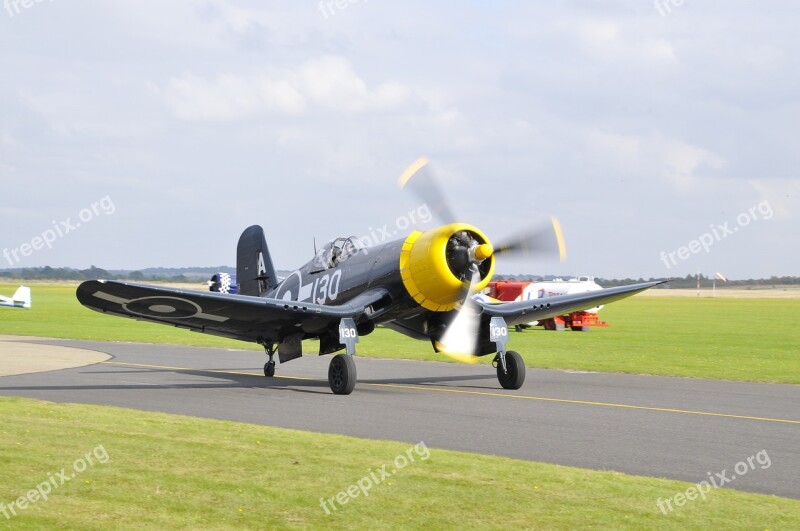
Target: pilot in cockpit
342 249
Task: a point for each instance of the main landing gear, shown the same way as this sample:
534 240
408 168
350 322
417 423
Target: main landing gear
342 374
342 370
511 370
509 364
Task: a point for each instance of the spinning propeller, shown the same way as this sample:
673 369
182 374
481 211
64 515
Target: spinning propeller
469 257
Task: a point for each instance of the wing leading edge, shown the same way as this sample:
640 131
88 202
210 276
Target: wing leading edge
538 309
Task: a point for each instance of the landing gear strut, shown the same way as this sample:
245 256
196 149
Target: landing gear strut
269 367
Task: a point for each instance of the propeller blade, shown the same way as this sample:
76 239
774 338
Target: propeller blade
464 255
420 180
545 240
460 340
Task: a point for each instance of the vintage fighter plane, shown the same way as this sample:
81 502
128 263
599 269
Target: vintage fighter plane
21 298
420 286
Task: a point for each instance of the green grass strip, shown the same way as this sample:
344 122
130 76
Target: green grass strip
175 472
728 339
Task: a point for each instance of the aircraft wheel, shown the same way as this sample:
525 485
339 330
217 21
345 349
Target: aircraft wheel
342 374
269 369
514 377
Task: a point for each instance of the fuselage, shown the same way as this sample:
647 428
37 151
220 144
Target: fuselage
423 272
334 284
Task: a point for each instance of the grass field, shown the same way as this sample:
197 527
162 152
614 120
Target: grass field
168 471
732 339
165 471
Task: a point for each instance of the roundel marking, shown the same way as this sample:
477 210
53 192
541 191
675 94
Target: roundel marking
289 289
160 306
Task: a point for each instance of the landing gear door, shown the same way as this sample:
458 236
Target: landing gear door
498 333
348 335
290 348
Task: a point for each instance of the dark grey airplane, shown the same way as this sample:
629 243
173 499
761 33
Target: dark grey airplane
421 286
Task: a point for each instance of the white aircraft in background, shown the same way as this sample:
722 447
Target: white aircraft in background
21 299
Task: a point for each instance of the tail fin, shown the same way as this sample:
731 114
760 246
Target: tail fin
254 269
23 295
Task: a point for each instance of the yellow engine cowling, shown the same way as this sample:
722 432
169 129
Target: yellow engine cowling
429 277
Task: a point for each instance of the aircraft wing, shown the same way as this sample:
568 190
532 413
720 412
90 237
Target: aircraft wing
537 309
235 316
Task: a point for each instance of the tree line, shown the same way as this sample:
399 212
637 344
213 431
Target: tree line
195 274
93 273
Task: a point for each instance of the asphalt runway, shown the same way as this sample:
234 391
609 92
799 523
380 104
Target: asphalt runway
684 429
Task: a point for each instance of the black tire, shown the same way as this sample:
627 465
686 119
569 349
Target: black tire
269 369
342 374
515 375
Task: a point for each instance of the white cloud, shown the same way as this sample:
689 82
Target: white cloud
230 97
8 141
674 161
622 41
329 82
681 163
783 196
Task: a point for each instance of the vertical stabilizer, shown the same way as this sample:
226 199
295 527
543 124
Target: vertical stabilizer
254 270
22 297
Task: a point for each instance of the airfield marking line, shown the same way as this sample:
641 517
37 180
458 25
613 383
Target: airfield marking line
588 402
479 393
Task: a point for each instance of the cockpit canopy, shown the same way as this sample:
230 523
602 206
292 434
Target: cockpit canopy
337 251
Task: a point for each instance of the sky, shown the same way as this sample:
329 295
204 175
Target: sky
664 135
